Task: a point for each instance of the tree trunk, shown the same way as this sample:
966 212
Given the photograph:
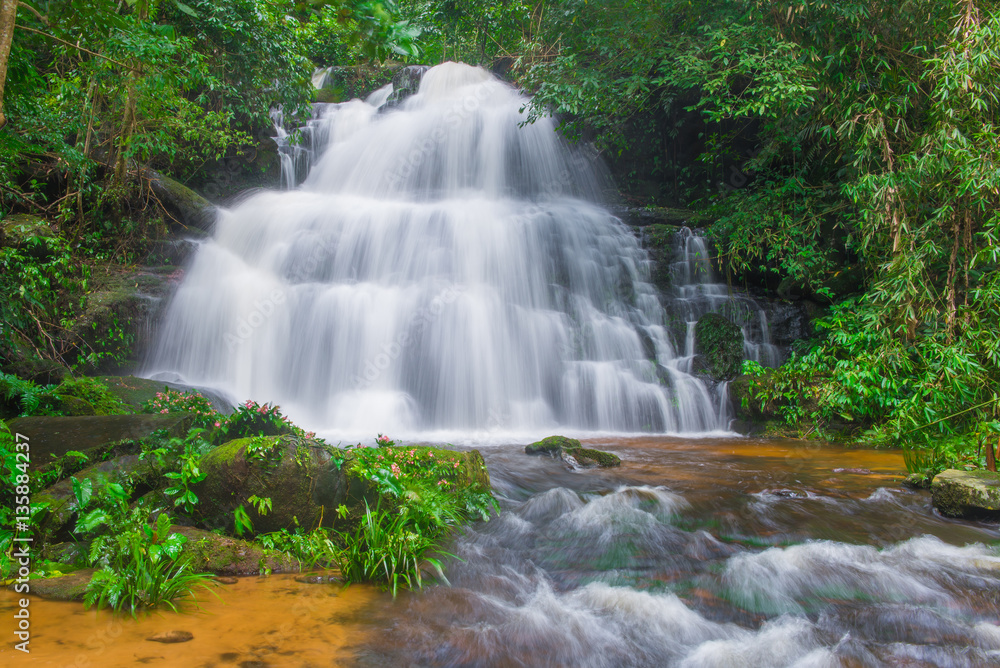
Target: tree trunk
8 14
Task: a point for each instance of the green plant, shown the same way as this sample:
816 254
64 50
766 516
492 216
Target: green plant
253 419
95 393
386 548
189 473
140 563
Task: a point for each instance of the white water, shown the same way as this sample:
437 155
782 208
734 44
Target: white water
441 267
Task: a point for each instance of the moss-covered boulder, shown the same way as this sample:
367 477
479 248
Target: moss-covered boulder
188 208
303 479
70 587
17 231
54 436
967 494
572 451
211 553
720 343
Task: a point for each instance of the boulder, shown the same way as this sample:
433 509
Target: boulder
17 231
69 587
211 553
305 480
135 392
54 436
720 343
189 209
967 494
571 451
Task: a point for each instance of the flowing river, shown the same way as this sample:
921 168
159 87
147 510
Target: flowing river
695 552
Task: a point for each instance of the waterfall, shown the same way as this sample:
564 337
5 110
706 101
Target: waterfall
697 291
441 266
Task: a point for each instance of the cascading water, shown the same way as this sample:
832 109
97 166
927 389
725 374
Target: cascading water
442 267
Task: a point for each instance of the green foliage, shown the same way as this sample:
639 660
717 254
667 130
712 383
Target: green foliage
386 548
95 393
189 473
39 281
312 549
141 563
253 419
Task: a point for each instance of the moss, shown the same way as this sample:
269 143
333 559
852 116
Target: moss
599 457
720 343
222 555
69 587
558 446
551 445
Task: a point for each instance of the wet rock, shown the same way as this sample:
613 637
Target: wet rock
660 215
226 579
720 343
967 494
69 587
170 637
405 83
135 392
855 471
917 481
570 450
188 207
56 435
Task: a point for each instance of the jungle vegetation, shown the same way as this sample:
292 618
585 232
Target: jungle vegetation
847 152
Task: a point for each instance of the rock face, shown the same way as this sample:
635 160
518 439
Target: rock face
720 343
968 494
571 451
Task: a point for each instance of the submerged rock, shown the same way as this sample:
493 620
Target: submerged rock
720 343
967 494
571 451
170 637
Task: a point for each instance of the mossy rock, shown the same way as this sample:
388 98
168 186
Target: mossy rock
18 231
54 436
304 480
552 445
720 343
967 494
69 587
188 208
563 447
222 555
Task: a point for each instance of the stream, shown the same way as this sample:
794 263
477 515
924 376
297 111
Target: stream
695 552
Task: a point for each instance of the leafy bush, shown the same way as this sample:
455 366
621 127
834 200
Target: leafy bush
95 393
141 563
253 419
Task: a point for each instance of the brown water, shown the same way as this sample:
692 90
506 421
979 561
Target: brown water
713 552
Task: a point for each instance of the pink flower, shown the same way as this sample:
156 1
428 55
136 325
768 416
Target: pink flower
395 470
218 424
456 464
164 411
